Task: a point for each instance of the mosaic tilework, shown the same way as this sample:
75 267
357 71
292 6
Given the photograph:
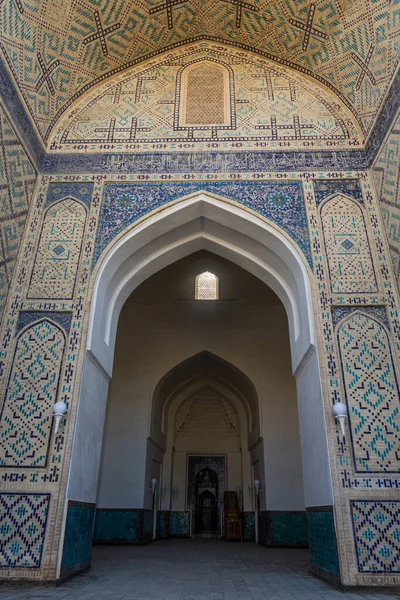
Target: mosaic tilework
23 519
248 526
372 393
59 50
80 191
269 106
379 313
78 537
322 539
323 188
387 179
348 253
281 202
59 250
26 417
376 527
179 523
256 162
17 179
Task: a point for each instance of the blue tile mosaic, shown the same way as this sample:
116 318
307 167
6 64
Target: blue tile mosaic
27 317
376 528
81 191
377 312
23 521
325 188
78 537
279 201
179 524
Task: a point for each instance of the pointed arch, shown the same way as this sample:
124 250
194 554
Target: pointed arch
59 249
32 389
371 391
195 222
350 262
205 93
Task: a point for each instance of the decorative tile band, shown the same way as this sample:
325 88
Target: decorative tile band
23 520
281 202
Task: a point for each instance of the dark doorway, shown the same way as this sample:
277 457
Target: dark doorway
206 510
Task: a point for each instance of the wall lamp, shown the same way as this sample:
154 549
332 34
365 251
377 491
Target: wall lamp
60 410
340 412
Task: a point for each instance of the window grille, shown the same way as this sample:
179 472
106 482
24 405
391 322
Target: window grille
206 286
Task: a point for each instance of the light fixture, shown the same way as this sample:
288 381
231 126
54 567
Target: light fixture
340 412
59 411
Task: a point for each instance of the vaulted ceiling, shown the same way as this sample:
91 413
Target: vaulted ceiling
58 49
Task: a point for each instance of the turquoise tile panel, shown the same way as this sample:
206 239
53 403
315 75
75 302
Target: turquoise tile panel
116 525
322 539
289 528
78 536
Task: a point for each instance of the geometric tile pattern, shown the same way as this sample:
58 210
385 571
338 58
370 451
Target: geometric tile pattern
376 526
270 107
26 417
350 264
387 179
23 520
17 178
372 393
179 522
57 49
58 253
281 202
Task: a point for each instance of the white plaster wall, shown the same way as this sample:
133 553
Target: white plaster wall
87 445
314 444
160 326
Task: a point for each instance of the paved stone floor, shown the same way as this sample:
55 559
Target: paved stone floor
192 570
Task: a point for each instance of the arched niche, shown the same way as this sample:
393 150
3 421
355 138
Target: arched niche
220 387
205 99
200 221
186 377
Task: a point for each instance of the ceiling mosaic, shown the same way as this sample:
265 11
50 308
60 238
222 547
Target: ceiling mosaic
167 103
58 49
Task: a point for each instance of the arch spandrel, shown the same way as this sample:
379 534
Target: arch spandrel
263 105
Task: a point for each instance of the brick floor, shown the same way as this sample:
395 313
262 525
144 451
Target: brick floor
192 570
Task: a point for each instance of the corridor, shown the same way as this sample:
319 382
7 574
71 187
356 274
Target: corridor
192 570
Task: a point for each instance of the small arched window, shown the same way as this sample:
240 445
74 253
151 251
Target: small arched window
206 286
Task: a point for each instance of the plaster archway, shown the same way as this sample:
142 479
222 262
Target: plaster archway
200 221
